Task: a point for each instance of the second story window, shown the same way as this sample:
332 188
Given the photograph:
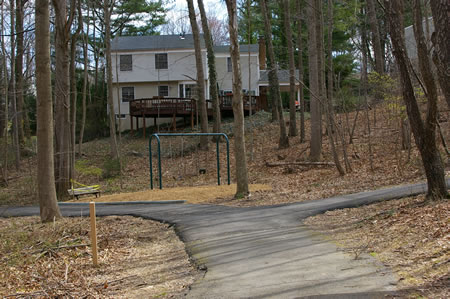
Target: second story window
161 61
127 94
229 65
163 91
126 63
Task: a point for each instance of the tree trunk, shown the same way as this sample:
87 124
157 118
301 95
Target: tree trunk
201 107
364 85
330 110
238 109
440 9
12 89
424 132
62 105
250 113
273 77
48 204
213 92
300 70
314 52
376 38
86 87
73 88
6 99
290 48
112 118
21 111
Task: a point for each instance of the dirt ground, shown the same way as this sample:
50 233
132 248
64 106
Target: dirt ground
137 258
410 235
198 194
376 160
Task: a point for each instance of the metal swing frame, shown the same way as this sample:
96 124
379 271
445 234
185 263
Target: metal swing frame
157 135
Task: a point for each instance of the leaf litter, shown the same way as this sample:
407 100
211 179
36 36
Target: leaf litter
137 258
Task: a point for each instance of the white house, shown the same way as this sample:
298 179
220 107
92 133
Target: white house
160 69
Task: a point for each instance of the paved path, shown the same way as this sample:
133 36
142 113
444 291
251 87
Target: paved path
264 252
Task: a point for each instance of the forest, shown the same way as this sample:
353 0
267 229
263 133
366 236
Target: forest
352 57
358 99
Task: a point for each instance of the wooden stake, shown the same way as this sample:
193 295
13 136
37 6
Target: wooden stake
93 233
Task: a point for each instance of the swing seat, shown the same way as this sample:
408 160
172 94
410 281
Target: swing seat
84 190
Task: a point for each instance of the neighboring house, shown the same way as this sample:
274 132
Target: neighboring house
154 74
410 40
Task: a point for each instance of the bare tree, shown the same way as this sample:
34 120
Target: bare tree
331 128
314 52
48 204
85 80
440 10
376 37
238 108
273 77
108 5
290 49
424 131
73 87
300 70
5 99
364 86
213 92
22 119
63 23
201 105
12 87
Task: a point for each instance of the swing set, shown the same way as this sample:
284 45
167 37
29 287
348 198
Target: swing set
157 137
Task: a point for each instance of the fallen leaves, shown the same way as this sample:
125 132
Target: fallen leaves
47 260
411 235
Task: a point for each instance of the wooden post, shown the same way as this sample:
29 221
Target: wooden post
93 233
131 122
144 125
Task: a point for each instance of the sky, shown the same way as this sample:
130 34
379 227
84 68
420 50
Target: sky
181 5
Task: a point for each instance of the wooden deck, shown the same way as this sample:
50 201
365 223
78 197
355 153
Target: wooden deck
174 108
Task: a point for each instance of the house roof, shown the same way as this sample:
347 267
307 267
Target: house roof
283 76
154 42
165 42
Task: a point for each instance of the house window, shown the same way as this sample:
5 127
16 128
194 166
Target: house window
163 91
127 94
190 91
126 63
181 91
121 116
161 61
229 66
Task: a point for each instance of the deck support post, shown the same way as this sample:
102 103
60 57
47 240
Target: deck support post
131 123
144 125
174 122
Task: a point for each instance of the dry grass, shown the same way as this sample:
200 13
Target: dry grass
410 235
199 194
137 258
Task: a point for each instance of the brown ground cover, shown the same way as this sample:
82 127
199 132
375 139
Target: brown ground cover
391 165
410 235
137 258
291 183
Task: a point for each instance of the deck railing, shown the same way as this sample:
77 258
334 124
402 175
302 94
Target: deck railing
161 105
227 100
178 106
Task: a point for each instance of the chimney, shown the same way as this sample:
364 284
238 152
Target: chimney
262 52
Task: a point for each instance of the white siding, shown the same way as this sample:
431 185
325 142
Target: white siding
181 67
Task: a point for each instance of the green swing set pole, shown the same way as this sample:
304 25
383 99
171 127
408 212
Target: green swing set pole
151 162
157 135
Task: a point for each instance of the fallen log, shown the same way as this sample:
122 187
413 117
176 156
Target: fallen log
275 164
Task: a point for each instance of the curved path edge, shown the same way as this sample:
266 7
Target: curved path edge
264 252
